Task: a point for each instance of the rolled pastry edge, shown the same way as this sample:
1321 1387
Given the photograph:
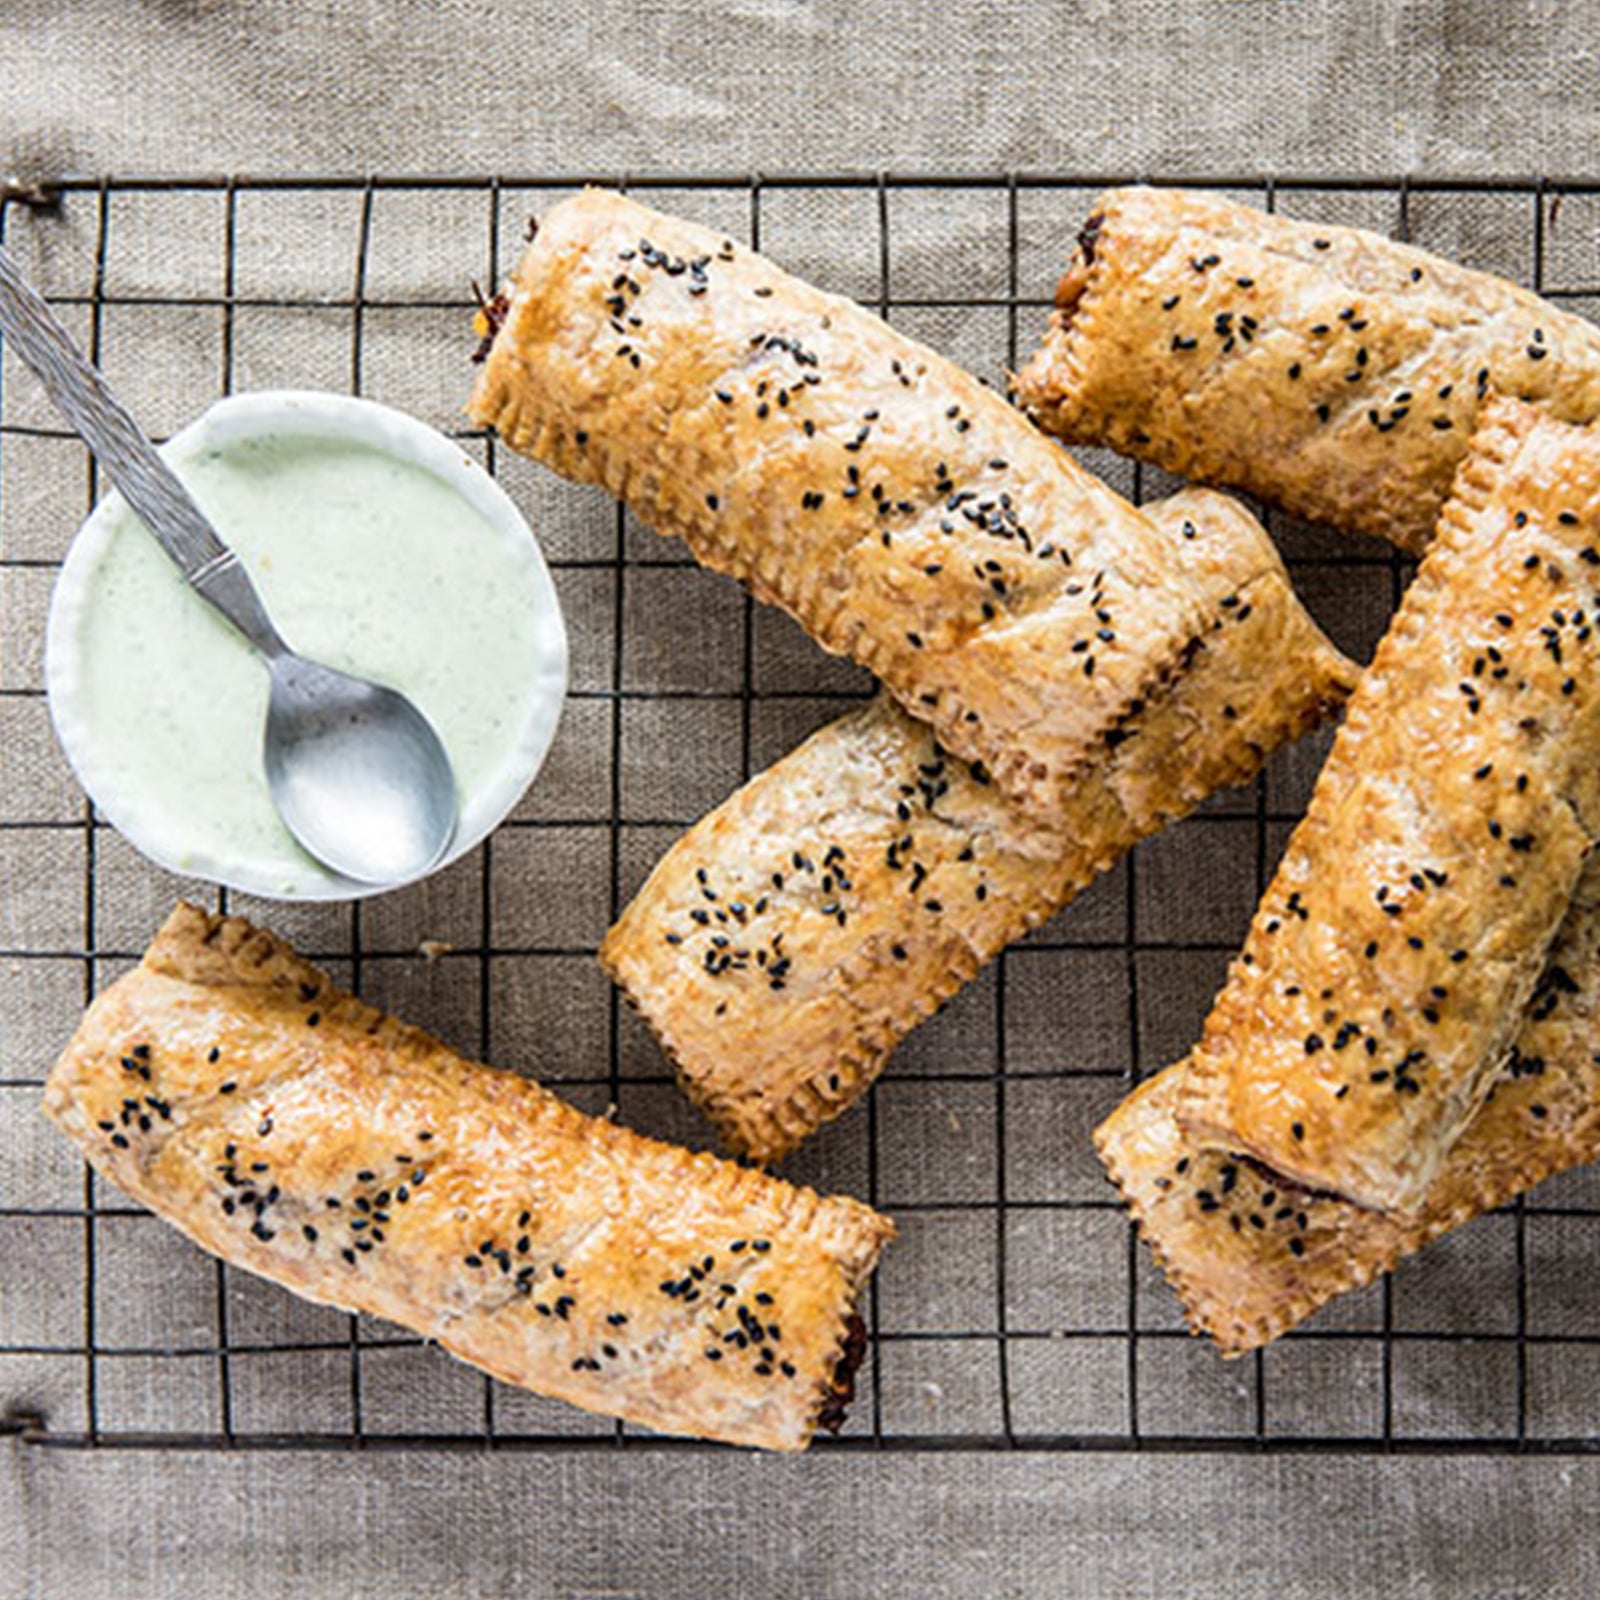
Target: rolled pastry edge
226 1079
769 1068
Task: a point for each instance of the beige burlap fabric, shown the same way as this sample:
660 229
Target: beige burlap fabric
656 730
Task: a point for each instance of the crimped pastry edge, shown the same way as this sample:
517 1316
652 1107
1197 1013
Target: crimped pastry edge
1237 1336
1503 426
1234 1336
766 1132
1036 787
204 949
1059 361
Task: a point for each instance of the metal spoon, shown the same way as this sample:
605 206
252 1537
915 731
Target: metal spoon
356 771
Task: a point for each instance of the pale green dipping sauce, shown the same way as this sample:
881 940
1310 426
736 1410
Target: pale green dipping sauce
365 561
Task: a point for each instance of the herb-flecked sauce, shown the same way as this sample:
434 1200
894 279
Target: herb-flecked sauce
365 561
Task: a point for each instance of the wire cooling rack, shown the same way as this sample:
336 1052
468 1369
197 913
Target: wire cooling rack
1017 1310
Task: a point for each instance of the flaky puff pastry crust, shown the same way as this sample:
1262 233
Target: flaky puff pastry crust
296 1132
1250 1255
1409 918
904 514
787 943
1327 369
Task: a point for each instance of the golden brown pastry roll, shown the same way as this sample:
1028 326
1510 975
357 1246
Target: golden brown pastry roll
1409 918
294 1131
1327 369
903 513
1251 1255
784 946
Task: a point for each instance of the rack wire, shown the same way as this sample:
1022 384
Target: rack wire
1018 1312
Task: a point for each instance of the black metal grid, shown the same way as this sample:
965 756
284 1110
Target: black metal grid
1123 1424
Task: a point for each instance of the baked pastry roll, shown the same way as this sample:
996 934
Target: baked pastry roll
784 946
903 513
1327 369
1409 918
1250 1255
294 1131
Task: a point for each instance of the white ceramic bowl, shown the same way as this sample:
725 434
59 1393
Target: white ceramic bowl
535 704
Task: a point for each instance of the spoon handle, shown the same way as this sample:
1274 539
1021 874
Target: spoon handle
147 483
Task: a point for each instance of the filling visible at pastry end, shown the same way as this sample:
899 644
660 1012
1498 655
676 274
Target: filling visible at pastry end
1088 236
491 314
842 1385
1075 280
487 322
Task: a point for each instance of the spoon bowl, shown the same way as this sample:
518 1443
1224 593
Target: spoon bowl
357 773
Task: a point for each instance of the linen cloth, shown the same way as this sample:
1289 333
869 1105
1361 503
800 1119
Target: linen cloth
1466 89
